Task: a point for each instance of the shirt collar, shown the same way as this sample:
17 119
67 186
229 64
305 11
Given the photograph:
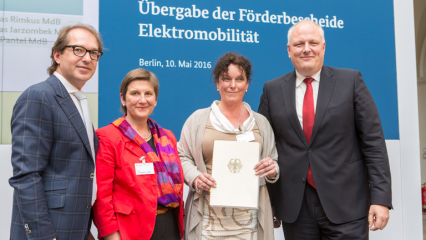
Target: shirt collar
300 77
68 86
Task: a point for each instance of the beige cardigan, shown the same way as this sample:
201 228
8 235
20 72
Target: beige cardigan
190 153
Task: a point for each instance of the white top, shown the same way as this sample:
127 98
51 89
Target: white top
300 93
222 124
71 89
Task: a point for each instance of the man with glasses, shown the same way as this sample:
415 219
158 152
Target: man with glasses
53 145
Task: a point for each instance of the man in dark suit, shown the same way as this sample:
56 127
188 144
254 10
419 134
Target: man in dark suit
53 145
335 180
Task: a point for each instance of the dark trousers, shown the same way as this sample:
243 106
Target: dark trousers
166 227
90 224
313 224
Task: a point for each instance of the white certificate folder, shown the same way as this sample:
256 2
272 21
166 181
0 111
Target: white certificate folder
233 170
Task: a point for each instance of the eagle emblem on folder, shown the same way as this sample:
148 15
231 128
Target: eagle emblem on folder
235 165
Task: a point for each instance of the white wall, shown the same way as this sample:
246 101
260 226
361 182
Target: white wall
406 220
408 120
420 21
6 190
421 92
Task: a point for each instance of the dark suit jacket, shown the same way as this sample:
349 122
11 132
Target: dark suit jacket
347 152
52 165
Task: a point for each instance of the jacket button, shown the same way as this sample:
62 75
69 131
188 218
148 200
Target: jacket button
303 180
27 229
310 150
92 175
89 206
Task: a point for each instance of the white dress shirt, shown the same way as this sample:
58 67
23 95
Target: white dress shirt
300 93
71 89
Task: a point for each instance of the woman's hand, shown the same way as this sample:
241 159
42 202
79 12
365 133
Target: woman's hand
266 167
204 182
113 236
277 222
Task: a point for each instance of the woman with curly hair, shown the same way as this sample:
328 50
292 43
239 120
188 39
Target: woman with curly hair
224 120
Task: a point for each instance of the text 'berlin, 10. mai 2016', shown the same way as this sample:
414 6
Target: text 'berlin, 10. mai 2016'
228 35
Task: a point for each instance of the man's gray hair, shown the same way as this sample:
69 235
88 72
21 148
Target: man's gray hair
290 31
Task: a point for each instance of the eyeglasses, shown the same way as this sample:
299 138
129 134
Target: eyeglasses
80 51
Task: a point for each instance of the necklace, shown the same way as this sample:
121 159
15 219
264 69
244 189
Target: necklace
239 127
149 136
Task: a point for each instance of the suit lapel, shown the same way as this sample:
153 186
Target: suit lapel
67 104
288 87
96 141
326 88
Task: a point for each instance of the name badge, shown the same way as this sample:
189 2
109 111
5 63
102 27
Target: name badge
144 168
245 137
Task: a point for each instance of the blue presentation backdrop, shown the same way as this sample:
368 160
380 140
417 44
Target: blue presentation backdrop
160 35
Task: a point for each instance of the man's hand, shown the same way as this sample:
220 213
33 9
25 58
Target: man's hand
379 216
90 236
113 236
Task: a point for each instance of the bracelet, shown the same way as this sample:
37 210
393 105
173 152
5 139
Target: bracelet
274 177
199 191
